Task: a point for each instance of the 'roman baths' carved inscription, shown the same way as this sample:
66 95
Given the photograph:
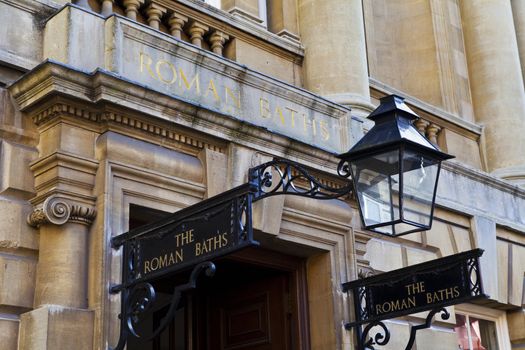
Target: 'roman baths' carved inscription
214 91
230 89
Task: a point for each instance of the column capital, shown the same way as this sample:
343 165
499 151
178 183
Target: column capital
58 210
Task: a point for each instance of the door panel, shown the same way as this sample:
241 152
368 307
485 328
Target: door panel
250 316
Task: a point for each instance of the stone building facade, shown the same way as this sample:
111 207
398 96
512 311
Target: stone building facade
115 112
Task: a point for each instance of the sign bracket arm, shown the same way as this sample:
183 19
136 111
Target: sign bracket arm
428 322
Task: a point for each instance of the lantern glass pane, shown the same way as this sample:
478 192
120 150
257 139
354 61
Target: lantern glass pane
376 179
419 182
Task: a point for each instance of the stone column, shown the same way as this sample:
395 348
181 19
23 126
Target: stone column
62 264
335 52
107 7
496 84
518 11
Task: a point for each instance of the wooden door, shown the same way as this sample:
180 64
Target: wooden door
248 307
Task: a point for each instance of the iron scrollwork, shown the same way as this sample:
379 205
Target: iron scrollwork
429 286
282 176
382 337
186 240
137 300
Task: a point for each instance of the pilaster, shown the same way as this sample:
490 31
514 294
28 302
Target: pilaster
282 19
63 210
246 9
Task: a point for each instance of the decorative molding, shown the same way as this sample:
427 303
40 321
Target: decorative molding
57 211
60 109
158 130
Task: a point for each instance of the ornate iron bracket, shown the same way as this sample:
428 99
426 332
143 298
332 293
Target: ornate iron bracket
429 286
292 178
445 315
140 298
382 337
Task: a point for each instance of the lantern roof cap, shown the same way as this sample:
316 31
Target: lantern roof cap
393 127
392 104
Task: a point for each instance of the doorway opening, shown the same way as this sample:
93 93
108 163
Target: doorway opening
257 300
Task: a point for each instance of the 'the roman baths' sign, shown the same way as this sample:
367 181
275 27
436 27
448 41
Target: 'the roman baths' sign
207 230
431 285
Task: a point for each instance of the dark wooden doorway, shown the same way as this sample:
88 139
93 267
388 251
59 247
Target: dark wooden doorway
256 301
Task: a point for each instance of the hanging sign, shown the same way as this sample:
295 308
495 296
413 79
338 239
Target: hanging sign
435 284
202 232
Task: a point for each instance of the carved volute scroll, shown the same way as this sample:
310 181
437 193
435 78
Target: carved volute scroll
57 211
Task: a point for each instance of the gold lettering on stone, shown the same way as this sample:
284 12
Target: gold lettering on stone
171 68
168 73
187 84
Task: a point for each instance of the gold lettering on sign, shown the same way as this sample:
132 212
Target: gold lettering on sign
414 288
324 130
184 238
442 295
292 115
213 89
265 108
162 261
211 244
228 93
396 305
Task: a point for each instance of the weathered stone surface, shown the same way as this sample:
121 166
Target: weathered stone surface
490 41
17 278
340 46
516 320
54 327
14 162
14 231
9 333
27 52
81 44
485 236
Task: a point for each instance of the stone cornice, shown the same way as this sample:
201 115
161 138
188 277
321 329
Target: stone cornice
485 178
432 113
58 210
157 110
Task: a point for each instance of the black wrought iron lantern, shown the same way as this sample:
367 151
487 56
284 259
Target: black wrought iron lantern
395 171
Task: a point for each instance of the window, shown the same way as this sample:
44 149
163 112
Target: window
480 328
